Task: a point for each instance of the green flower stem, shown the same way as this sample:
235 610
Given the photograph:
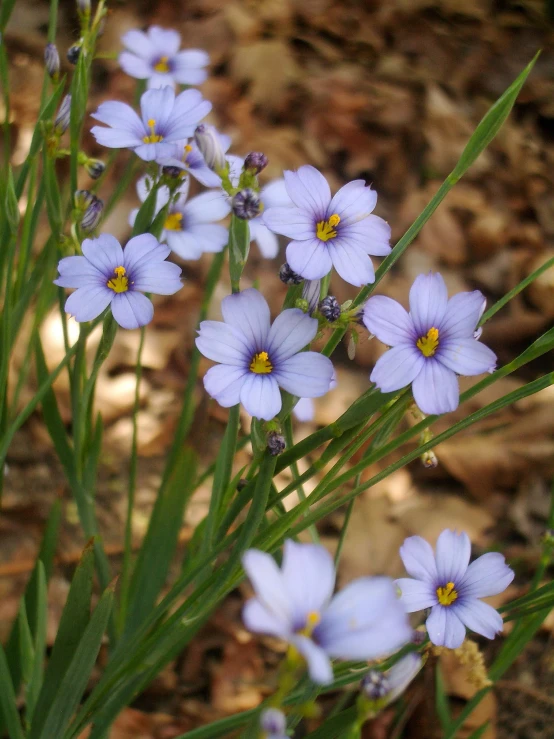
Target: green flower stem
289 439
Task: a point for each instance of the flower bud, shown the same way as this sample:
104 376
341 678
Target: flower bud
311 291
329 308
208 141
375 685
95 168
172 172
83 7
83 198
246 204
61 122
289 277
73 53
429 459
418 637
255 162
92 215
52 60
275 443
273 721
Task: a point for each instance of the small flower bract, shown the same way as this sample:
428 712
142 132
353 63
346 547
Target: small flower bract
107 275
364 621
431 344
155 56
446 583
338 231
257 358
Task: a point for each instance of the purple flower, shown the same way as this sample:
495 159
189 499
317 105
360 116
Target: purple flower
107 275
165 119
274 723
337 232
385 687
189 227
364 621
155 56
272 195
432 343
188 157
258 358
304 410
451 587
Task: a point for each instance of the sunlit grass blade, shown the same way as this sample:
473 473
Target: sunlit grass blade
8 704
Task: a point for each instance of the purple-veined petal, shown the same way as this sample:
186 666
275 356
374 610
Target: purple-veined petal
260 396
267 242
157 105
224 382
295 223
388 321
139 43
119 116
86 303
309 579
307 374
105 253
269 583
462 315
488 575
184 244
161 279
436 388
397 368
260 619
452 555
189 109
304 410
416 594
319 666
353 202
158 152
372 235
291 331
165 41
445 628
78 272
479 617
275 194
419 559
308 189
428 299
134 66
310 258
209 237
402 673
466 356
248 311
132 309
143 250
206 208
223 343
351 262
115 138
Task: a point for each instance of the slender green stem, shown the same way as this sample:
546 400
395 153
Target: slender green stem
289 438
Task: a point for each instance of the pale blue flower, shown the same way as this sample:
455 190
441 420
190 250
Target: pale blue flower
446 583
385 687
187 156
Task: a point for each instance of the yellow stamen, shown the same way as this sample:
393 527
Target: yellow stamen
174 222
447 595
162 65
120 283
326 229
260 364
188 149
312 620
429 343
153 137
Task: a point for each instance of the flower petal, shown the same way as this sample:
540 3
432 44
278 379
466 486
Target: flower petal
260 396
275 194
488 575
388 321
115 138
353 202
308 189
310 258
132 309
445 628
267 242
397 368
291 331
351 262
142 250
157 105
163 278
78 272
466 357
480 617
248 311
223 343
452 555
105 253
309 578
269 583
295 223
319 666
419 559
188 67
306 375
189 109
261 620
184 244
416 594
134 66
119 116
224 382
428 299
165 41
139 43
209 237
402 673
206 208
436 388
462 315
304 410
88 302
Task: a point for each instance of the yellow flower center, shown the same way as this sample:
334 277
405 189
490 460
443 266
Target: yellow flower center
429 343
312 620
119 283
326 229
447 595
174 222
153 137
162 65
260 364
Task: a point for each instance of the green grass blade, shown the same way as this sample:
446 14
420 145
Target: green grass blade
8 703
39 647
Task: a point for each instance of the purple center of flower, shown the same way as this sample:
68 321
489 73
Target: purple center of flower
261 364
447 594
161 64
119 283
325 230
429 343
153 137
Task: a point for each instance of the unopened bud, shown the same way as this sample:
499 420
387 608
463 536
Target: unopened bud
242 483
61 122
329 308
429 459
375 685
311 291
95 168
83 6
52 60
289 277
418 637
275 443
172 172
73 53
255 162
246 204
92 215
273 721
83 198
209 143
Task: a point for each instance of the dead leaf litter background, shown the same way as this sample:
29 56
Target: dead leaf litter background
384 91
